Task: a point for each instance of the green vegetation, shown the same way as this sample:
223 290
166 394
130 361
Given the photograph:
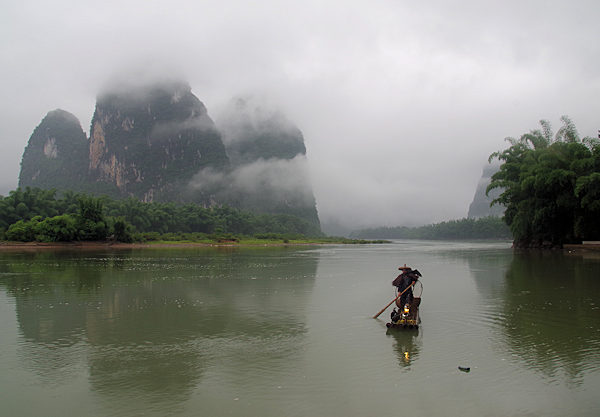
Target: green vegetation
89 223
257 240
551 186
483 228
35 214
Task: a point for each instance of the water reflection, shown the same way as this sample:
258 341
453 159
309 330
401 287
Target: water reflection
148 324
408 343
552 317
543 306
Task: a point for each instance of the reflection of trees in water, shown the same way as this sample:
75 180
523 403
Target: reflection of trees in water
151 321
408 344
548 309
552 320
43 283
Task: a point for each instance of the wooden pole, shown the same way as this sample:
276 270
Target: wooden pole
398 296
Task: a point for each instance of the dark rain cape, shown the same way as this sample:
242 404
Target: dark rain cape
402 282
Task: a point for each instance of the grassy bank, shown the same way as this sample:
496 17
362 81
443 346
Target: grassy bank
200 241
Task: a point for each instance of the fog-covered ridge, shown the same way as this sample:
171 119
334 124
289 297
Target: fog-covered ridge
157 142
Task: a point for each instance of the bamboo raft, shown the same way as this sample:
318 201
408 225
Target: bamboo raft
407 318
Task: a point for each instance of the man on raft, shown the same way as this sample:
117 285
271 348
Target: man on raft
404 284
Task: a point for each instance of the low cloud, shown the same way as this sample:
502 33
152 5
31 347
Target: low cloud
281 175
288 179
165 130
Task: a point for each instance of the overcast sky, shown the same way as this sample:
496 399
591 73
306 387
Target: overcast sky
400 102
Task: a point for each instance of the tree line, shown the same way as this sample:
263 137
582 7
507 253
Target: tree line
35 214
463 229
550 186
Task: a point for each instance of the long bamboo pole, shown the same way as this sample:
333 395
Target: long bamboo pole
398 296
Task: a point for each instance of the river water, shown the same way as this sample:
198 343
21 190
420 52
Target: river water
289 332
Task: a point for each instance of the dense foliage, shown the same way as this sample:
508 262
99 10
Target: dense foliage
483 228
35 214
551 186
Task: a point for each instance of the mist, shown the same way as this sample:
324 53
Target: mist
400 103
287 178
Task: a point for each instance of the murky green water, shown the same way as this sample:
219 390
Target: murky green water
288 332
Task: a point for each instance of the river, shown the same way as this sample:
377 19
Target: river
288 331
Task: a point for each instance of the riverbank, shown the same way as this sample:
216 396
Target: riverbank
593 246
4 245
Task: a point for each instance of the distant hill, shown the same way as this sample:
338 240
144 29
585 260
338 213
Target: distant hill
269 169
56 155
480 206
252 132
156 142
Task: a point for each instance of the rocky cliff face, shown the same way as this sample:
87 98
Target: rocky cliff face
56 155
480 206
157 143
148 142
268 159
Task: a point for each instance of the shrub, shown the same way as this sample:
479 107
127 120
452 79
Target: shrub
56 229
122 231
23 231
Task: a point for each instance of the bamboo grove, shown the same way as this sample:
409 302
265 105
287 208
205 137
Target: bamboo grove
550 186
